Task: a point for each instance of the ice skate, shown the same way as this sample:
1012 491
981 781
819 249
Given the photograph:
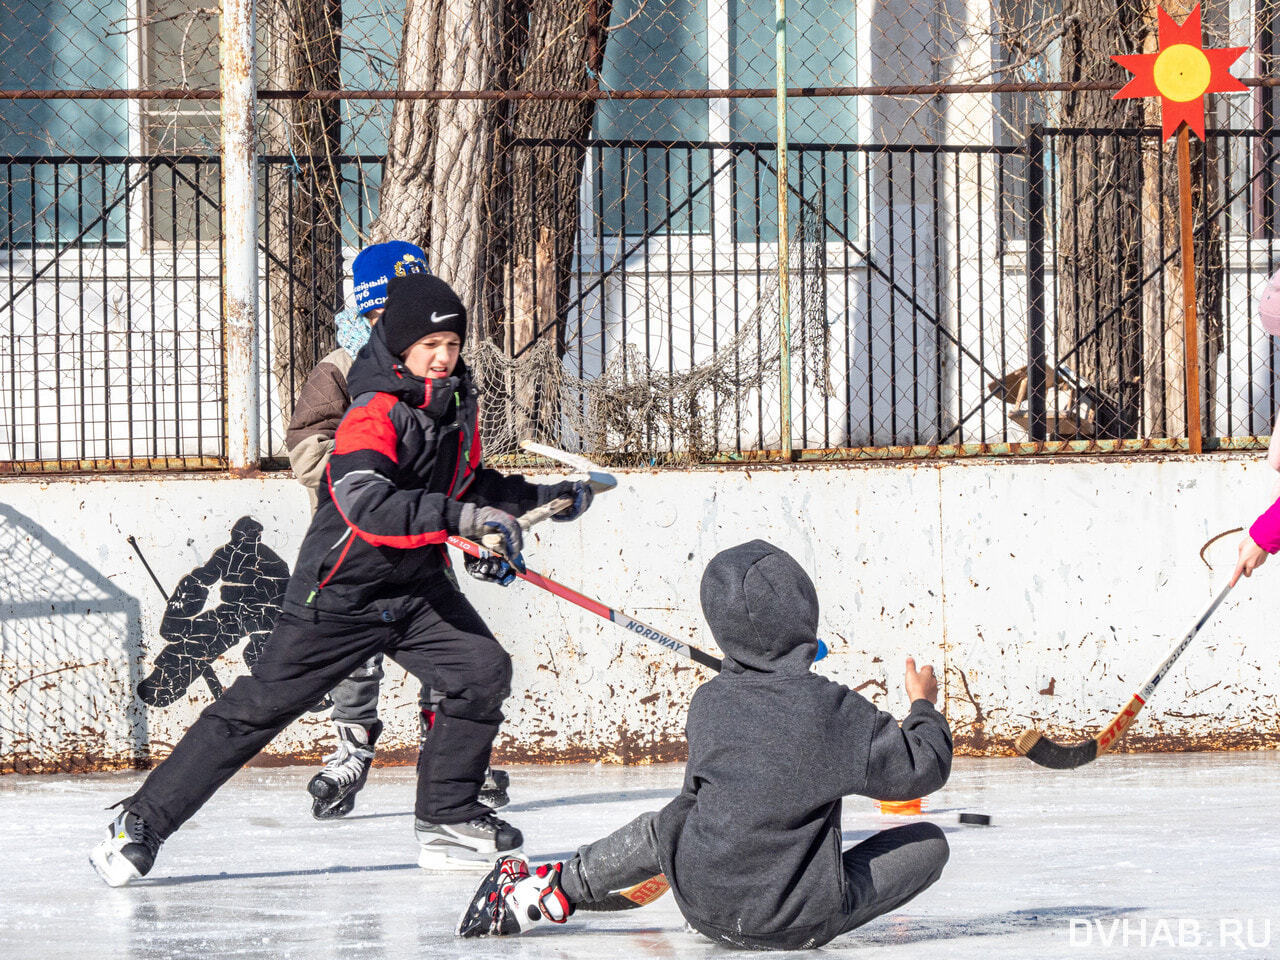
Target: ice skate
474 844
493 792
128 852
510 900
335 787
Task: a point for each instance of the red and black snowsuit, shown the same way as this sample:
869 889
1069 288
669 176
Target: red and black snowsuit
405 457
372 577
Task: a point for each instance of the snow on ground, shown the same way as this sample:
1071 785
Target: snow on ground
1131 857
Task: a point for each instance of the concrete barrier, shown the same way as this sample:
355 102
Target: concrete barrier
1043 591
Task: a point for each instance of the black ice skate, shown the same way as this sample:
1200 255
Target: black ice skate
510 900
345 771
493 792
128 852
474 844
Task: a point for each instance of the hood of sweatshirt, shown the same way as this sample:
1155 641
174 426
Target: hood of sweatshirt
762 609
377 370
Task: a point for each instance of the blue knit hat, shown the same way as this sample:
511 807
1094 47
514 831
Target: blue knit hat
375 266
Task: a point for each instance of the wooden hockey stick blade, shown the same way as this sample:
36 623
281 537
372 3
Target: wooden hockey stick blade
599 479
640 895
493 541
1038 748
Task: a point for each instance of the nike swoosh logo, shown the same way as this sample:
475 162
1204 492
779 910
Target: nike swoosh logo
436 318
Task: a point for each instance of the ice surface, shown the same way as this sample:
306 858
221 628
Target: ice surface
1164 856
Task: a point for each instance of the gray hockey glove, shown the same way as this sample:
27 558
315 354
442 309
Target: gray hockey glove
490 569
475 522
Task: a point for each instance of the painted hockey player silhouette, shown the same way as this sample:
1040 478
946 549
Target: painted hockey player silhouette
252 578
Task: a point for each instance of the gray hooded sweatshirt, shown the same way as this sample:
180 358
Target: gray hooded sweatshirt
751 846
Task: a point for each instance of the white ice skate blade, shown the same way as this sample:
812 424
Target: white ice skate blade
443 858
113 867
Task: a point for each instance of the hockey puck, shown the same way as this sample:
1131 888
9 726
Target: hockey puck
977 819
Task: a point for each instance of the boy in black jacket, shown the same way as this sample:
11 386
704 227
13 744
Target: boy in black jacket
751 846
373 577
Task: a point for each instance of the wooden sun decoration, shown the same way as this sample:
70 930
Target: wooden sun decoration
1180 73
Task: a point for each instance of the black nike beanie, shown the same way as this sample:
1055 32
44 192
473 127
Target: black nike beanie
419 305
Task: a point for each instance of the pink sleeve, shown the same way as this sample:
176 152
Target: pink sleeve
1266 529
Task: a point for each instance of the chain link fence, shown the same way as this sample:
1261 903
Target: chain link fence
975 249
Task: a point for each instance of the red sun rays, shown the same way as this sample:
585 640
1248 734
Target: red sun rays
1180 73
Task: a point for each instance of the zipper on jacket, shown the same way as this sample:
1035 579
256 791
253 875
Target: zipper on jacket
342 556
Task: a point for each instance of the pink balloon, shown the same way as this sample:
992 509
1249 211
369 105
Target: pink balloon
1269 306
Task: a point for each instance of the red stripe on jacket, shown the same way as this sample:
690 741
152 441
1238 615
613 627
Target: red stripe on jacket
368 428
475 443
473 457
404 541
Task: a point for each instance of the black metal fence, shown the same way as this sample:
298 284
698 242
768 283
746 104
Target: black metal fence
943 297
110 312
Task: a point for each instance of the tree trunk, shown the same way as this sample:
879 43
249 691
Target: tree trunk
1100 236
303 202
439 153
1120 314
499 219
564 48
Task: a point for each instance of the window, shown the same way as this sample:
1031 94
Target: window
45 196
821 51
660 46
180 50
714 44
1024 54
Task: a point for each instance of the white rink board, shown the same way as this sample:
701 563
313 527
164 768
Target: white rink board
1015 578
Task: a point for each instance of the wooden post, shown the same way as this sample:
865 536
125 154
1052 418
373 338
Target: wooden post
1190 337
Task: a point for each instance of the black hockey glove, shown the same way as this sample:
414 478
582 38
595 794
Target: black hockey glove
475 522
577 490
490 569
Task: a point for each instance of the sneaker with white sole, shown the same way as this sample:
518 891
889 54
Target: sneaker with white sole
128 852
475 843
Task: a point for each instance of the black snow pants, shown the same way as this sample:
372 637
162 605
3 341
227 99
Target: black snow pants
881 873
439 638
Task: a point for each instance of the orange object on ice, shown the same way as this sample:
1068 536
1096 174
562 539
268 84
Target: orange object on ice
902 807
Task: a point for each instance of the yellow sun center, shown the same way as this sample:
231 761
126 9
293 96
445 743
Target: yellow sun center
1182 72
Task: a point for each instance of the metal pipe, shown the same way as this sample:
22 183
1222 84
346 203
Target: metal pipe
785 442
1037 422
738 93
239 234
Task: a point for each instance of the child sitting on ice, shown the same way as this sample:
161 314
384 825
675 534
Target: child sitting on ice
751 846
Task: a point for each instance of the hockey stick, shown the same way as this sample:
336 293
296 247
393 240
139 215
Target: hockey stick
493 541
1038 748
652 634
210 678
640 895
599 480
